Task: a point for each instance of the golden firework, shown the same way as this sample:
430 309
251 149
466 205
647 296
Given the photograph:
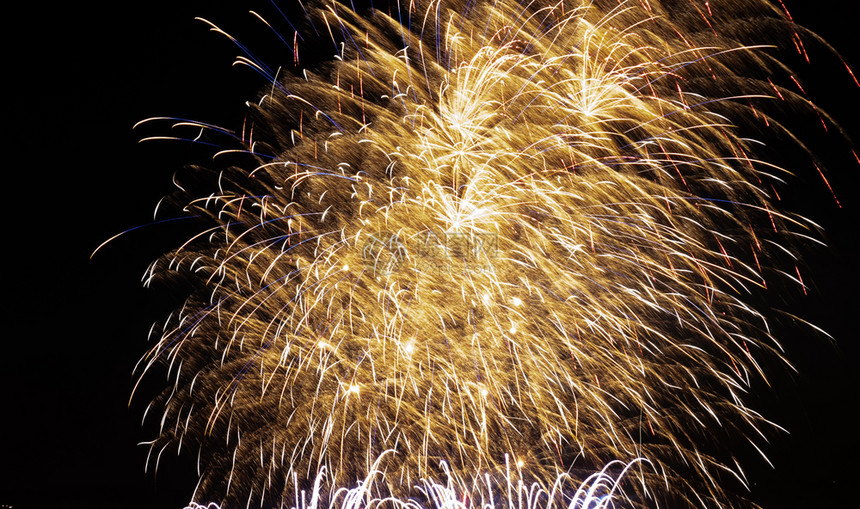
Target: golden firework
501 234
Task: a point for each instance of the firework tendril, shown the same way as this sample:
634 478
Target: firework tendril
490 240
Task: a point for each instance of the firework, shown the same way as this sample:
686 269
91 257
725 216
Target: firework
492 239
600 490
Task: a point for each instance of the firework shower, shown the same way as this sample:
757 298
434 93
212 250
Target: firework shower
591 166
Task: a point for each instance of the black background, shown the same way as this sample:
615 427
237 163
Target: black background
75 175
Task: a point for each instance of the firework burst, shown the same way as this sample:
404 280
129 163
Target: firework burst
600 490
498 238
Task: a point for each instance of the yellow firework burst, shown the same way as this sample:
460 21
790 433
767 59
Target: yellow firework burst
499 235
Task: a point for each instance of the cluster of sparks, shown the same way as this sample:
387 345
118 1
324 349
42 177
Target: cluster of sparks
600 490
495 239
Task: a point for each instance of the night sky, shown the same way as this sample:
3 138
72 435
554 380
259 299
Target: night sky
83 75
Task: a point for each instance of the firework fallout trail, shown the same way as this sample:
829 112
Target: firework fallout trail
489 240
